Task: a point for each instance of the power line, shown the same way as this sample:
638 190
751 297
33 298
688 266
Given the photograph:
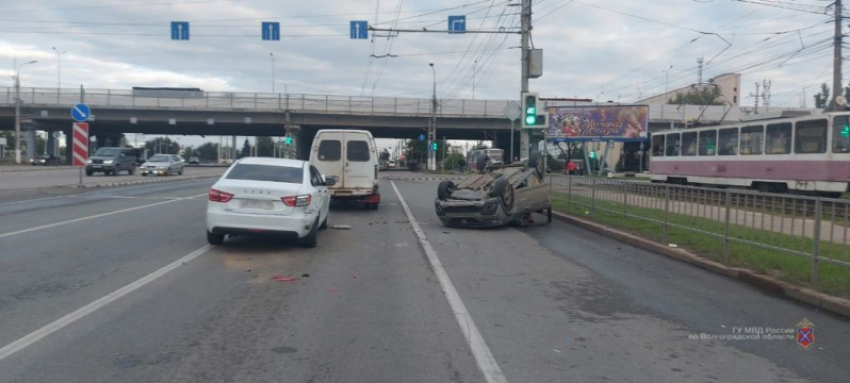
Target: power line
118 5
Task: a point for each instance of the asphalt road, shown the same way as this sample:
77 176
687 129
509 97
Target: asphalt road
119 285
63 177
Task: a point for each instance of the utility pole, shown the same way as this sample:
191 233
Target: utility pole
272 56
836 58
474 64
525 27
700 61
432 129
18 111
756 96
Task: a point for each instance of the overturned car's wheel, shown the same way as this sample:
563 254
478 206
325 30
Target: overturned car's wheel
502 189
445 189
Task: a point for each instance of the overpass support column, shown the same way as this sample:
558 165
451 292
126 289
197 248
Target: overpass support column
69 147
51 144
29 136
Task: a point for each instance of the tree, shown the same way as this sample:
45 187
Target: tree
208 152
822 98
480 145
189 152
246 149
702 96
162 145
10 139
265 147
452 161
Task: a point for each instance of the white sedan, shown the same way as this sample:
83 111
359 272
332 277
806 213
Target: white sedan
269 196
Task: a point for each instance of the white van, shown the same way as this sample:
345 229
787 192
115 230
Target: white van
350 157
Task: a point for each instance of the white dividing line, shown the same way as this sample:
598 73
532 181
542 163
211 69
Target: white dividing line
486 362
75 220
58 324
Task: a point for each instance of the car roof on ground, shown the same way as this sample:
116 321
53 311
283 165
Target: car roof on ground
272 162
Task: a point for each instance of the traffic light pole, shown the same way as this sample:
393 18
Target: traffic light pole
525 27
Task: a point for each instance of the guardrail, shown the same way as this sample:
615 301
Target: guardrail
742 222
258 102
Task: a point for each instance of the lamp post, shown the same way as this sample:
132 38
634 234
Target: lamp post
666 88
58 73
432 134
18 110
474 64
272 56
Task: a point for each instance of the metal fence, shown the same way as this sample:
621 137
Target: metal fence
257 101
817 229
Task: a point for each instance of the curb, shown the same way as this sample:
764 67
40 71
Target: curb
815 298
423 178
141 182
34 168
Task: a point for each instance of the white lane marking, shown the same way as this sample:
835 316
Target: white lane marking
128 187
486 362
58 324
75 220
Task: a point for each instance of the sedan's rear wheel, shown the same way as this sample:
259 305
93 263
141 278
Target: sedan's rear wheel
312 239
215 239
508 198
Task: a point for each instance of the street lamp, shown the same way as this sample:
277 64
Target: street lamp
272 56
474 63
18 110
666 88
59 68
432 134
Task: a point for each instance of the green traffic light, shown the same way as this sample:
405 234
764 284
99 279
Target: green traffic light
592 154
530 120
846 131
289 140
531 110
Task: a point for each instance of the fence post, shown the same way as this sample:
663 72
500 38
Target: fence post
208 99
279 101
625 201
816 238
109 97
395 105
569 192
666 212
255 100
373 104
302 101
485 107
349 104
592 194
463 107
417 105
726 224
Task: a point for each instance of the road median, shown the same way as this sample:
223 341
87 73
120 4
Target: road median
141 182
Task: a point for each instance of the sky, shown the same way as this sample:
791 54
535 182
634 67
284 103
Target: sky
598 49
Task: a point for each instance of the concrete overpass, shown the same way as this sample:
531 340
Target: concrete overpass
117 112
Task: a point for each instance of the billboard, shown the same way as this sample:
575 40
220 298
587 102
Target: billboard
598 122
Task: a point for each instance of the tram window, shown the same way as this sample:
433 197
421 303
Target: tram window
689 144
708 142
673 141
658 145
752 139
778 138
841 134
810 137
728 142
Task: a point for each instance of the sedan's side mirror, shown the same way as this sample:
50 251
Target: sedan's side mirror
330 182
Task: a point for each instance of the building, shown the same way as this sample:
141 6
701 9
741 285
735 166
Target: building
729 85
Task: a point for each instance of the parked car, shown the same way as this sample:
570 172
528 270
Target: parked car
350 157
44 160
500 195
269 196
111 161
194 161
163 165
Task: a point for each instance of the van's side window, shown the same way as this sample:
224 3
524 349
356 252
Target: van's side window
357 151
330 150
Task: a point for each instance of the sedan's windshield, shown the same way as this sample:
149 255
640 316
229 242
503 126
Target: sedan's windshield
270 173
108 152
159 158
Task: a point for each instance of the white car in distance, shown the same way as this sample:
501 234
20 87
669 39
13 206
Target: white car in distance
269 196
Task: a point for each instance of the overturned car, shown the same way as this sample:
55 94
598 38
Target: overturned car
498 196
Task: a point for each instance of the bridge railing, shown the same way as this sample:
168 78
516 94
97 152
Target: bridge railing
256 102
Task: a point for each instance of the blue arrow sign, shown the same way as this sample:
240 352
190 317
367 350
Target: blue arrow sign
421 137
180 30
457 24
80 112
359 30
271 30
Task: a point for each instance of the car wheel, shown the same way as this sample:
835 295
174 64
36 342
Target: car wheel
324 224
445 189
374 206
131 170
312 239
508 198
89 173
215 239
180 172
549 215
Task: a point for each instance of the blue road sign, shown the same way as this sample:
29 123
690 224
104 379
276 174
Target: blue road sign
180 30
80 112
421 137
359 29
271 30
457 24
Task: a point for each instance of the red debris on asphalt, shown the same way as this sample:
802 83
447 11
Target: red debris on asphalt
280 278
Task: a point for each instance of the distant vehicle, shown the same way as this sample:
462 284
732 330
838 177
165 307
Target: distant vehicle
163 165
391 163
194 161
112 161
269 196
44 160
350 157
807 154
499 196
481 158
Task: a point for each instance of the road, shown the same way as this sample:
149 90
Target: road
118 284
39 178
